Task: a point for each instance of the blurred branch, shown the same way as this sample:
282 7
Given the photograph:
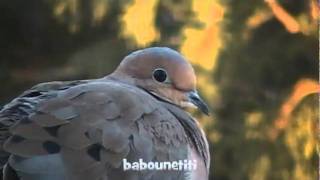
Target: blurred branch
283 16
259 18
303 88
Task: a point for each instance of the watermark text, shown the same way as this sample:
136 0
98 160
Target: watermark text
180 165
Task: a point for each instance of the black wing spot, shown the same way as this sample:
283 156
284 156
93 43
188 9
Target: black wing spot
131 137
17 139
51 147
94 151
87 134
9 173
53 131
33 94
25 121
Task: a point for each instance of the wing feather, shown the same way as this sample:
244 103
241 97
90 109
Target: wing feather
93 126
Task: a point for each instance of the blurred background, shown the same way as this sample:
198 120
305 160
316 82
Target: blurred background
256 62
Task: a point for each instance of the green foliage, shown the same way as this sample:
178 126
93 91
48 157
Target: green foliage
256 74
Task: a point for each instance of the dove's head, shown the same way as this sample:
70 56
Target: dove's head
164 73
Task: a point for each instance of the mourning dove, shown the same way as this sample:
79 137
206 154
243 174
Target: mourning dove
92 129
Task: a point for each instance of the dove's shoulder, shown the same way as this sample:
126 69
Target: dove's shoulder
76 103
89 125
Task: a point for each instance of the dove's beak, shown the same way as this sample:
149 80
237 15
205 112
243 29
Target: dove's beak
195 99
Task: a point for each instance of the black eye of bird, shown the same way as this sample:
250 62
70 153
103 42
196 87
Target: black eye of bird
160 75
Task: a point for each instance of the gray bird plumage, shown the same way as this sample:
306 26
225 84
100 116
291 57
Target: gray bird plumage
82 130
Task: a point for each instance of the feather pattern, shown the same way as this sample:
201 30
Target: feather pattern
88 127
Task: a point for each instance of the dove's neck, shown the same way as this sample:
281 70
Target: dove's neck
120 77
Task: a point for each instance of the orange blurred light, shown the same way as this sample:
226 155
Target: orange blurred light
201 45
138 22
314 9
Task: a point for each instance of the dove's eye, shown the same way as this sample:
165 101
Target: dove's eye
160 75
